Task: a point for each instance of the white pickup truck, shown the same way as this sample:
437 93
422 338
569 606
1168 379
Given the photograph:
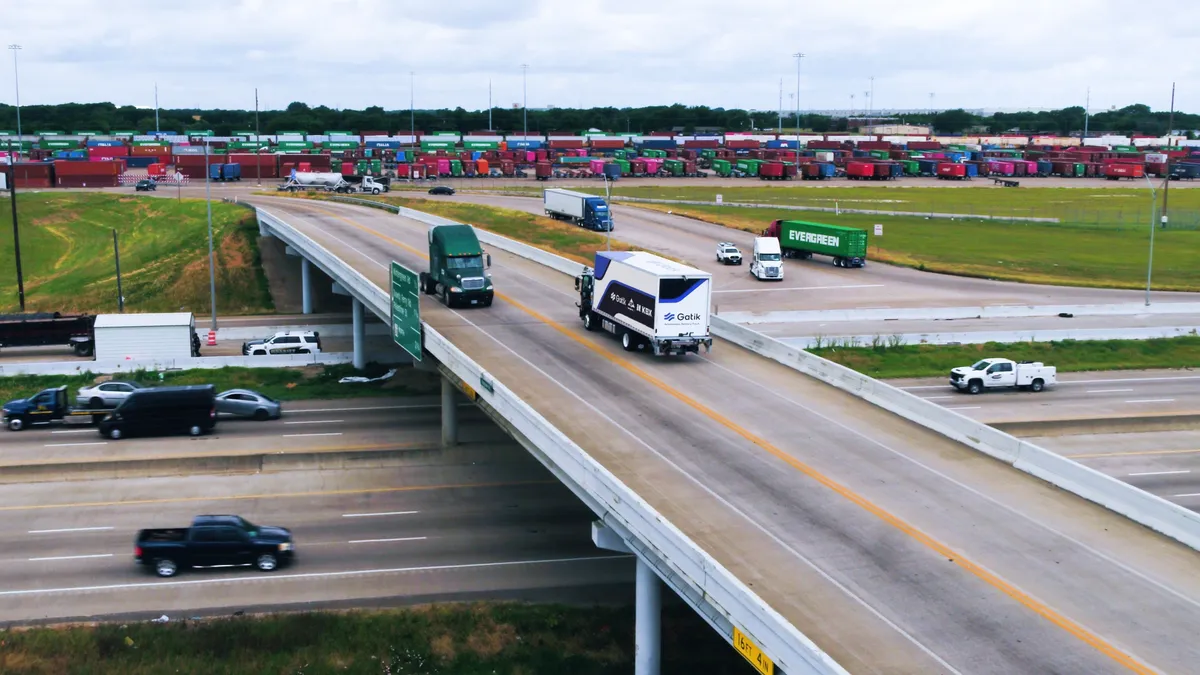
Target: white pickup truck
728 253
997 373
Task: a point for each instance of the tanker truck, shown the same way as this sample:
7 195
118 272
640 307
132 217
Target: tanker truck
321 182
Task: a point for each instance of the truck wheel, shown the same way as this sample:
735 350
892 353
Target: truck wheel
375 191
266 562
95 402
165 567
589 323
974 387
114 433
1037 385
627 341
446 300
15 424
195 430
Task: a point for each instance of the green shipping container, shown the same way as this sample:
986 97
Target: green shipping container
481 145
880 154
456 167
708 153
430 146
1080 169
674 167
654 153
123 133
301 134
620 154
722 167
340 145
911 167
749 166
623 164
376 167
799 238
59 145
197 132
87 133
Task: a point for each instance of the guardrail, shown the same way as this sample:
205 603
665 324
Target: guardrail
612 500
1140 506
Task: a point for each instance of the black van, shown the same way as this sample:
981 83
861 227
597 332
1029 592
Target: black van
159 411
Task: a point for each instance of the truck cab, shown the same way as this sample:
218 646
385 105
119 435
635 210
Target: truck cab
596 215
45 407
457 267
996 373
767 263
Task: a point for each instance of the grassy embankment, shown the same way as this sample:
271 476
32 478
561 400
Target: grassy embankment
68 265
285 384
1068 356
513 639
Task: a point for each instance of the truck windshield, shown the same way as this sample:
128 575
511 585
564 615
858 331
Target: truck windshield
980 365
768 257
464 262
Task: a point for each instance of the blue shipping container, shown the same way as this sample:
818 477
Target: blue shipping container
475 155
214 171
896 170
1044 167
524 145
827 170
105 144
139 162
231 171
612 170
659 144
391 145
972 170
927 167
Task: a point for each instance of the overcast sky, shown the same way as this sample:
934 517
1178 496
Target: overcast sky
355 53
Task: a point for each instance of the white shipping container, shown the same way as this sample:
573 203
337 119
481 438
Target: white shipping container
144 336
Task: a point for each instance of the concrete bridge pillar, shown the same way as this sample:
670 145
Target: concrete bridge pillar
360 336
306 285
449 414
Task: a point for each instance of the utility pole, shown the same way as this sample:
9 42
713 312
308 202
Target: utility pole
156 128
1167 180
212 269
871 114
117 258
489 104
779 130
1087 113
12 194
525 97
799 57
1150 258
257 139
412 124
17 86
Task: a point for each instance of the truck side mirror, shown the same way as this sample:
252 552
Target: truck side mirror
577 280
489 260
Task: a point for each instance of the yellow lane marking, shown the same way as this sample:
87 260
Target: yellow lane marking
277 495
943 550
229 453
1131 453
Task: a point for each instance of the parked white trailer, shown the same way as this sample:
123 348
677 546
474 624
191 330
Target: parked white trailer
145 336
647 301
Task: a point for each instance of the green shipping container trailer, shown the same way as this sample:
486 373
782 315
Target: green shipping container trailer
722 167
801 239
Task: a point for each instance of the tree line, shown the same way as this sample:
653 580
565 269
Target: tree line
107 117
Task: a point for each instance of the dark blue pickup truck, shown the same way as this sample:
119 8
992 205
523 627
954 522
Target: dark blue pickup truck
214 541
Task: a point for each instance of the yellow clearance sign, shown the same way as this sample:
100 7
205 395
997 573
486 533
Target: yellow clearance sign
761 662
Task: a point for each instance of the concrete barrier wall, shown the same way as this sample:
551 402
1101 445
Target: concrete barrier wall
611 499
947 313
982 337
207 362
1138 505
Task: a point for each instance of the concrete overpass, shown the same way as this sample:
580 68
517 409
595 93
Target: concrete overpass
835 535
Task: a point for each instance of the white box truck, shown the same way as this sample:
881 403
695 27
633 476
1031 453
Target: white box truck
582 209
647 301
768 259
1001 373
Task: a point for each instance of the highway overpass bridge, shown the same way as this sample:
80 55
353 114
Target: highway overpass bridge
832 534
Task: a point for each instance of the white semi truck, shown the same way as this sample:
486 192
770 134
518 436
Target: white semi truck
330 182
1003 373
647 301
767 262
584 210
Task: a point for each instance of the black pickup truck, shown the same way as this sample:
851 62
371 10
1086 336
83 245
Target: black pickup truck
214 541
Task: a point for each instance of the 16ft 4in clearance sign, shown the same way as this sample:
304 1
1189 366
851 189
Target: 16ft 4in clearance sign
746 647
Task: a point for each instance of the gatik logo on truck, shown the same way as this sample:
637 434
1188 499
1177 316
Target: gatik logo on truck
672 316
813 238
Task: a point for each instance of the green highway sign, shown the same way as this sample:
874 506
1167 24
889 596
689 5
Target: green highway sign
406 309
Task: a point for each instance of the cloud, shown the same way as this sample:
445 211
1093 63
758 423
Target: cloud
355 53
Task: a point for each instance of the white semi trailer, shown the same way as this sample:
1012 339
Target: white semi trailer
647 301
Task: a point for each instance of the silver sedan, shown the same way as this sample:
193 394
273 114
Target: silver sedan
106 394
246 403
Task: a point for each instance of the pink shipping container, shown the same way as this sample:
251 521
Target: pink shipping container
443 167
528 156
653 164
596 165
1002 168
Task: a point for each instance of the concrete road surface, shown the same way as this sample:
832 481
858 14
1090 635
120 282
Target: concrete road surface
893 548
362 537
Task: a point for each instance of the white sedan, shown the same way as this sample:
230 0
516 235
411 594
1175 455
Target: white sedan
106 394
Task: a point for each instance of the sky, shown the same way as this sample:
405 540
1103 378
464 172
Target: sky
974 54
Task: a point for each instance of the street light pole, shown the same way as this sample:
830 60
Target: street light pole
525 97
1150 259
12 195
1167 180
799 58
412 123
257 140
17 87
156 129
212 269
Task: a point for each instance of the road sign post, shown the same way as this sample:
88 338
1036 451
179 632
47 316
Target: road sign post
406 310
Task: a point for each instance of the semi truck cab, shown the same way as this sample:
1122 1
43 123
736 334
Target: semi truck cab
457 267
596 215
768 259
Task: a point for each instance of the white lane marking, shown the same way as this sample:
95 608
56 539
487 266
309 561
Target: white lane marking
368 407
936 398
309 575
382 513
1151 400
72 557
798 288
382 541
1106 391
70 529
1188 494
966 407
72 445
317 422
722 500
334 433
1036 522
74 431
1160 473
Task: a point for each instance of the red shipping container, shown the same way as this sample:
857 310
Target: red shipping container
87 181
1118 171
507 167
156 170
860 170
84 169
874 145
542 170
702 143
742 144
924 145
951 170
304 167
823 145
770 171
560 145
33 183
637 166
608 143
883 170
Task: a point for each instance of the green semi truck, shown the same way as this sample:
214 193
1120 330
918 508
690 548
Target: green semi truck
457 267
801 239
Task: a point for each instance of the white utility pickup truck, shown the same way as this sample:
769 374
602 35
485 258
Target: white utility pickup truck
728 253
997 373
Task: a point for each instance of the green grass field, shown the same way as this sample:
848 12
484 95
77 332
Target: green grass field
284 384
1067 356
68 264
1117 207
1026 252
475 639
